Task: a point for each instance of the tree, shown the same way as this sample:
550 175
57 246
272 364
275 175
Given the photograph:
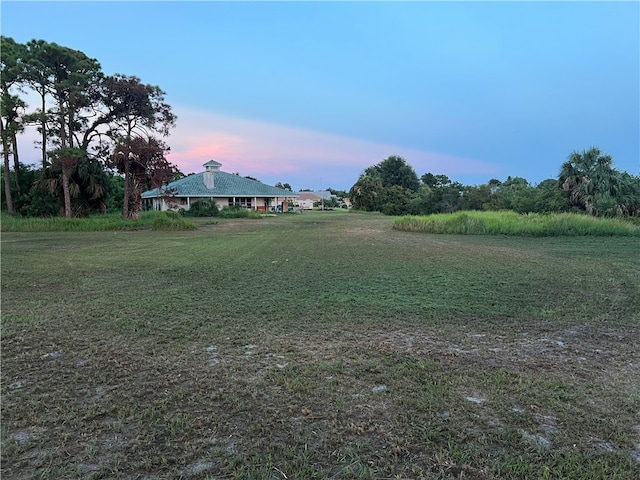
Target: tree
550 197
144 165
435 181
323 203
79 108
94 185
515 193
89 185
449 197
33 200
74 78
391 181
366 193
284 186
133 111
338 193
396 171
590 181
68 81
66 159
39 76
128 109
439 194
10 108
476 197
74 89
422 202
395 200
116 198
628 194
82 108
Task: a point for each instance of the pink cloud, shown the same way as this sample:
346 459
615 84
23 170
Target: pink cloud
273 153
261 149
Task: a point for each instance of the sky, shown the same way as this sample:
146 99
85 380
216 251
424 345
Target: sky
313 93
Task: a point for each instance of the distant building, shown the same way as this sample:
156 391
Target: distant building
306 200
225 189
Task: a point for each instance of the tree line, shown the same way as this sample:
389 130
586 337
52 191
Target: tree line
91 127
101 139
587 182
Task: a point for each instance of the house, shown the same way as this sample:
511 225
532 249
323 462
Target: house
345 203
225 189
306 200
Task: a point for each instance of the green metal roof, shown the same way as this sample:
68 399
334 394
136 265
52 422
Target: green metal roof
225 185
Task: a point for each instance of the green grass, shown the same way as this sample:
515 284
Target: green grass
96 223
321 345
511 223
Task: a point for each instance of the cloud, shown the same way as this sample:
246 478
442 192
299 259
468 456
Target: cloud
272 151
278 153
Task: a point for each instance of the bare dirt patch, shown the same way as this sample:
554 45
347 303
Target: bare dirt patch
346 391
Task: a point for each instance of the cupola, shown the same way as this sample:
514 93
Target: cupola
209 173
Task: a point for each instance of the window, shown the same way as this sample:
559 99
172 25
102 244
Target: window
244 202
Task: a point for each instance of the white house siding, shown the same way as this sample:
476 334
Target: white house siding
257 203
306 204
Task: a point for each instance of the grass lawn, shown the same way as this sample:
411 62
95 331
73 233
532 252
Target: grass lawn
321 345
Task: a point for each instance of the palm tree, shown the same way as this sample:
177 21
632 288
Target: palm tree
628 196
94 185
87 183
588 179
66 159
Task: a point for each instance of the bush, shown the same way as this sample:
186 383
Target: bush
235 211
202 208
171 221
393 209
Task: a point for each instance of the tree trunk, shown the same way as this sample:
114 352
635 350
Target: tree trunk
7 178
70 127
136 200
43 126
16 162
7 184
125 204
66 192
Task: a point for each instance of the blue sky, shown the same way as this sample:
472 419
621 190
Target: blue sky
312 93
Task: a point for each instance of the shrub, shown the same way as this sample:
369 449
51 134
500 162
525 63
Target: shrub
202 208
235 211
171 221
